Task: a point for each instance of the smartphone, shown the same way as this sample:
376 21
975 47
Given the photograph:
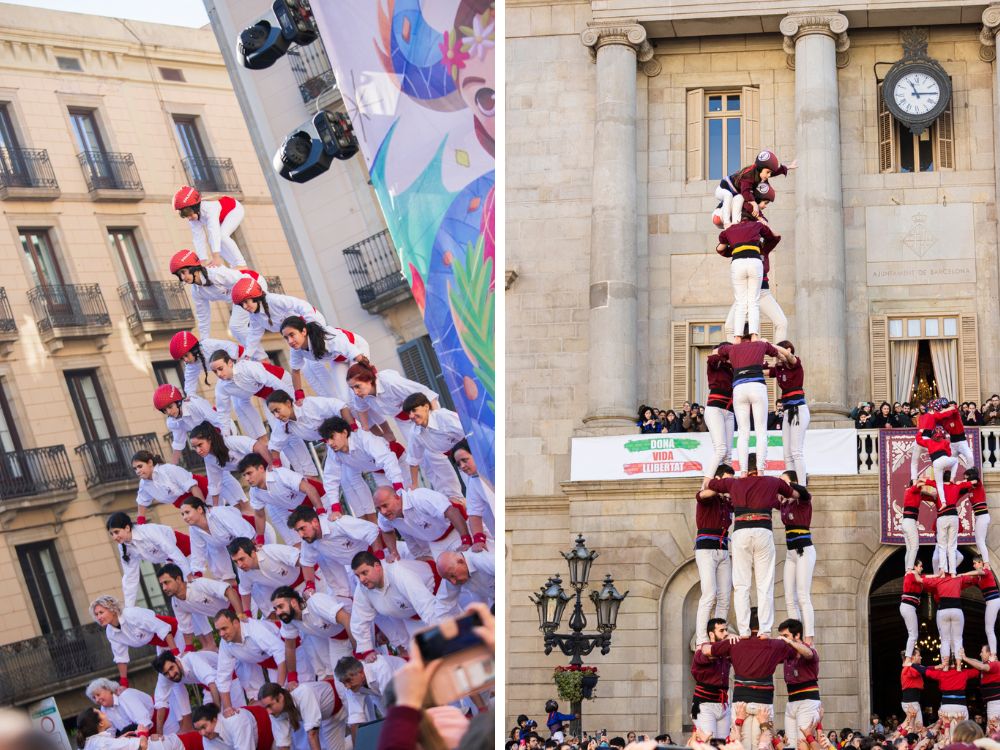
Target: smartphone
467 664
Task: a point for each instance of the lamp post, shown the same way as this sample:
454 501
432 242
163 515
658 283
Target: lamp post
551 601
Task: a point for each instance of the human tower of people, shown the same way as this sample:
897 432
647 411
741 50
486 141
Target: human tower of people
313 582
745 498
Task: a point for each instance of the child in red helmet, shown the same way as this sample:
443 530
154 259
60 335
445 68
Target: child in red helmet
738 189
212 225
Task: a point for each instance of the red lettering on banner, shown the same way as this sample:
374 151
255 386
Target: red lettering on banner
663 455
665 467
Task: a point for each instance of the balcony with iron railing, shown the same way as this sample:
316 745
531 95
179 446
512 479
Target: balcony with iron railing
155 306
107 463
312 71
64 311
27 174
35 477
211 175
190 460
111 176
374 268
8 324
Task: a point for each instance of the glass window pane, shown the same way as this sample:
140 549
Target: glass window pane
895 329
733 102
715 103
913 328
713 330
951 326
153 594
932 327
715 150
93 407
926 155
733 152
124 243
905 149
55 590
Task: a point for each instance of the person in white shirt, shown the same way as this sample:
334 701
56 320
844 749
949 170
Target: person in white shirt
94 731
303 416
126 708
423 515
480 503
333 544
132 627
406 590
252 644
328 350
265 568
309 717
246 728
184 413
326 620
471 576
276 492
212 224
176 673
349 456
212 529
366 683
195 601
222 455
160 482
153 542
434 431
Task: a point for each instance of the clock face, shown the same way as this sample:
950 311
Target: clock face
916 93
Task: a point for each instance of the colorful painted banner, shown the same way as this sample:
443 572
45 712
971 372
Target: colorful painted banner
831 452
417 77
895 450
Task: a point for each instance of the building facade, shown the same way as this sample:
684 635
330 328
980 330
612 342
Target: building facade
887 272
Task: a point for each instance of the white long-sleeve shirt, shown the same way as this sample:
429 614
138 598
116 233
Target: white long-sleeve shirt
204 598
239 446
169 483
153 542
365 452
341 346
280 306
197 668
220 290
319 618
314 411
378 675
281 491
260 642
480 501
278 566
408 590
137 626
391 390
423 516
442 431
480 587
316 702
225 523
341 540
194 411
131 706
206 233
194 373
237 732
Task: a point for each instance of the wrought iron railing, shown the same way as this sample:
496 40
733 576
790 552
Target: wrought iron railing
68 306
312 70
211 174
156 302
30 667
374 267
26 168
190 459
35 471
274 284
107 170
8 323
110 460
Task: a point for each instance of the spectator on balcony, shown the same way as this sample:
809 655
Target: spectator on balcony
212 225
991 411
327 352
863 407
971 416
882 419
672 423
776 418
904 418
647 422
694 421
152 542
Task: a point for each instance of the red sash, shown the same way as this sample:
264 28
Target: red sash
161 642
183 543
278 372
265 737
337 705
437 576
465 515
319 488
227 204
403 416
191 740
397 448
350 337
252 521
202 482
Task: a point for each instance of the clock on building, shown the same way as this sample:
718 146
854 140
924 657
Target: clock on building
917 89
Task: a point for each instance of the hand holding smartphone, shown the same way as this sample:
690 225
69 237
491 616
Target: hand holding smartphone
466 664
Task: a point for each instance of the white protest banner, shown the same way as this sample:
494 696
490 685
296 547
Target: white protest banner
47 719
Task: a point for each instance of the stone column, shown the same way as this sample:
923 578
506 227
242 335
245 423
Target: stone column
617 47
987 282
814 41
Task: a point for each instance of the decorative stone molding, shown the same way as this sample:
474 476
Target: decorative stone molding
988 33
628 33
832 24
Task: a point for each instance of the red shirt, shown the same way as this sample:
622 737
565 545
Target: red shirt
989 682
911 679
911 585
936 444
911 502
754 658
951 420
712 515
746 182
710 670
949 587
926 423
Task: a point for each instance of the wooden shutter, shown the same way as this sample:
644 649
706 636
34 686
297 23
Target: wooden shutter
695 134
886 136
750 127
767 332
680 358
878 340
968 365
944 131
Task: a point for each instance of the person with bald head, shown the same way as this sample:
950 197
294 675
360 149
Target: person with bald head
471 577
424 516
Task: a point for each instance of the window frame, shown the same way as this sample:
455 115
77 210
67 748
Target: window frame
890 133
87 428
168 365
724 115
142 287
39 599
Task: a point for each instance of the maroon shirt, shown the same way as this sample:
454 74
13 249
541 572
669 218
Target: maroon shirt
752 496
750 232
720 382
712 515
790 379
710 670
799 669
747 181
748 353
797 513
754 658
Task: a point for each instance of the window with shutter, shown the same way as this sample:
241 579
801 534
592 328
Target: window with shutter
679 368
751 124
878 341
886 136
695 134
767 333
420 363
901 151
944 129
968 341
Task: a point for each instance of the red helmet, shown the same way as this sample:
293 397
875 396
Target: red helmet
184 259
246 288
767 160
186 196
181 343
764 192
165 395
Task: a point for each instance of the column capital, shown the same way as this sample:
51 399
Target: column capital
795 26
627 32
988 33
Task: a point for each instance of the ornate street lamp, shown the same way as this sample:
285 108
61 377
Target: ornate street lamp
551 601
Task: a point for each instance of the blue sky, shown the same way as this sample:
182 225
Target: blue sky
177 12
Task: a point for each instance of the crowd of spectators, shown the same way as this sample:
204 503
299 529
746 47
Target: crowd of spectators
689 418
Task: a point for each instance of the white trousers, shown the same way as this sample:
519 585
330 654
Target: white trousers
750 731
436 467
746 275
963 452
770 308
938 557
793 439
915 707
713 719
909 615
799 715
941 465
715 570
916 454
950 623
732 206
912 537
751 398
982 528
992 607
721 424
993 710
752 553
947 542
798 575
228 249
329 378
953 708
